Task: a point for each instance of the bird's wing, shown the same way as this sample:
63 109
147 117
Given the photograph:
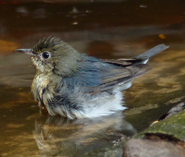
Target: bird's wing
96 75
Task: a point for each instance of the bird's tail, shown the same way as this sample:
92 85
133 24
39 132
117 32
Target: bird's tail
153 51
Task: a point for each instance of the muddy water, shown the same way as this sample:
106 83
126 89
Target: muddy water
104 29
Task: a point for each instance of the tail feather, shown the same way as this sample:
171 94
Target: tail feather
153 51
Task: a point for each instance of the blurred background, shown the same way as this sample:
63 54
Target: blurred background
101 28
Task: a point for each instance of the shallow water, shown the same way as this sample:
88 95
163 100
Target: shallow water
104 29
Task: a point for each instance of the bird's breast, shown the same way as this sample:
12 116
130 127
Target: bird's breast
40 85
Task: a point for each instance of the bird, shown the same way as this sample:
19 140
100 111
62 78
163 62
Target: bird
76 85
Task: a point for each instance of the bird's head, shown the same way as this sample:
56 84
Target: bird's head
53 55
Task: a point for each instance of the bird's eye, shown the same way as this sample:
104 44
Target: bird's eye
45 55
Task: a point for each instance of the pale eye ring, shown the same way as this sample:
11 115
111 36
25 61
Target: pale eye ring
46 55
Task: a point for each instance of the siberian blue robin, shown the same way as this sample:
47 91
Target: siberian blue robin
76 85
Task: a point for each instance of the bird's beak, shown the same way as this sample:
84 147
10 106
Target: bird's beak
26 51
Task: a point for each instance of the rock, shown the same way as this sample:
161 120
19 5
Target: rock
150 148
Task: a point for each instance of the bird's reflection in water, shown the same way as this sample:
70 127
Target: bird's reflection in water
61 136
